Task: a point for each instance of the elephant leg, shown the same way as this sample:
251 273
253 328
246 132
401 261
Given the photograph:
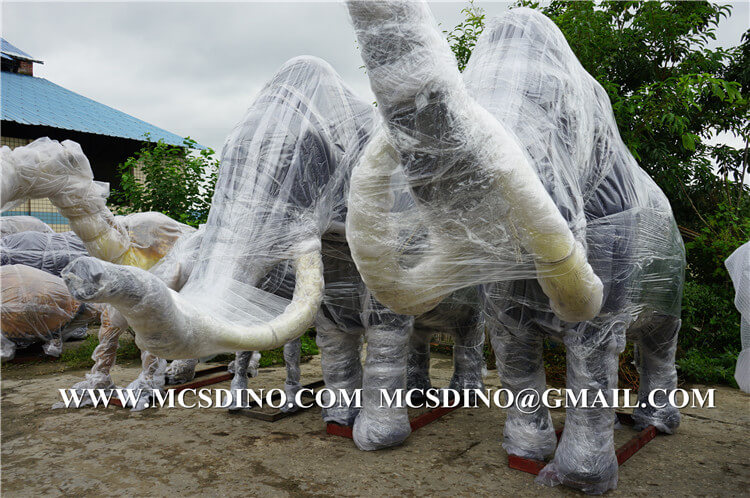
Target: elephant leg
150 379
518 354
585 457
7 348
254 364
655 352
418 362
104 356
342 369
468 357
292 354
239 381
53 347
379 425
181 371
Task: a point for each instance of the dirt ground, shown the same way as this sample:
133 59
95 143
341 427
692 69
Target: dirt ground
187 452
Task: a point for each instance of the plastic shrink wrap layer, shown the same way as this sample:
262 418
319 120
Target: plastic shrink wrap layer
738 265
50 252
521 184
15 224
37 307
275 228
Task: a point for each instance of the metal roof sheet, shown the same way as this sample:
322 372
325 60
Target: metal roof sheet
37 101
10 51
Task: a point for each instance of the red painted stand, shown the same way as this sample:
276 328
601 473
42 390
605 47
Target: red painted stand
203 378
416 422
624 452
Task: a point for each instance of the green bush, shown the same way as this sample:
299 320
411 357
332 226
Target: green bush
696 366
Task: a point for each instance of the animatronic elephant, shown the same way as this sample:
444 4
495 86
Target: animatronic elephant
522 183
61 172
37 307
279 209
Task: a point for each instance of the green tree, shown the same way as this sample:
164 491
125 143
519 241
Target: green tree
177 181
671 95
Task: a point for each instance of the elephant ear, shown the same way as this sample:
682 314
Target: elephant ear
488 215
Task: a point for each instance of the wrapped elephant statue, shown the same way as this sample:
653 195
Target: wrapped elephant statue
521 185
508 186
37 307
275 229
60 172
148 242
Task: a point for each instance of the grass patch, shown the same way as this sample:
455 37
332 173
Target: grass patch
80 356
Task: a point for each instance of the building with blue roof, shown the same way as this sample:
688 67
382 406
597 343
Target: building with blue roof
32 107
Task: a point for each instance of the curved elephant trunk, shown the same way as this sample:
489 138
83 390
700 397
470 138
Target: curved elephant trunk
174 326
456 154
62 173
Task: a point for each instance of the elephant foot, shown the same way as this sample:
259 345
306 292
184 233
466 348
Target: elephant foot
340 413
529 436
665 419
140 401
7 349
180 372
82 389
467 384
586 469
291 391
372 432
418 381
53 347
239 398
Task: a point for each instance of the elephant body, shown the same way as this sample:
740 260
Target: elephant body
519 174
37 307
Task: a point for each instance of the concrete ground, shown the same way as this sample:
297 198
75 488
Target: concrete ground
182 452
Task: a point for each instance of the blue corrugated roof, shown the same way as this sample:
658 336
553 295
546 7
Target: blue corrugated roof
36 101
8 49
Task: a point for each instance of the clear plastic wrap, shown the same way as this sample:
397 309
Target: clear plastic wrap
37 307
520 183
16 224
50 252
275 229
738 265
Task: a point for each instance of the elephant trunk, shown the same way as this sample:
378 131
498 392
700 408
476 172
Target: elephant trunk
461 164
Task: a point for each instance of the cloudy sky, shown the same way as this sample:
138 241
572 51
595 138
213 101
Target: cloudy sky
193 68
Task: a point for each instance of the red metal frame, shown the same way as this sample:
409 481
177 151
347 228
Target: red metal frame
624 452
416 423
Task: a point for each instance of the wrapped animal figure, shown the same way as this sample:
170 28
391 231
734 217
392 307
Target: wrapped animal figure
522 185
16 224
37 307
50 252
61 173
275 229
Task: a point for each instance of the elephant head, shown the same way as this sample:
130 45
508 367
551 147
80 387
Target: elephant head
483 212
281 185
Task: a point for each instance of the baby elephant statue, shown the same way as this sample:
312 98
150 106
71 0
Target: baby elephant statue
521 184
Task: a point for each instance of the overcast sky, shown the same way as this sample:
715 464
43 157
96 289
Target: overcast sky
193 68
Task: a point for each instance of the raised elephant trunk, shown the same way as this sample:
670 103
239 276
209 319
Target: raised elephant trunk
454 154
174 326
62 173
